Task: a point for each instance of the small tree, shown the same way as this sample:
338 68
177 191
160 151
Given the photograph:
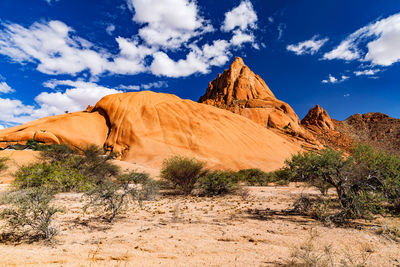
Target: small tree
29 215
182 172
365 182
111 196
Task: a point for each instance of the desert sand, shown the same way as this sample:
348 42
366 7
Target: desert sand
193 231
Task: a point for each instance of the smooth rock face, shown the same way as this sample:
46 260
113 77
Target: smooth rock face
147 127
317 116
77 129
241 91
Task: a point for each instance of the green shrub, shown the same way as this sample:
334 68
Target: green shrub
182 172
112 196
282 176
55 152
54 176
254 177
366 183
3 165
29 215
64 170
217 183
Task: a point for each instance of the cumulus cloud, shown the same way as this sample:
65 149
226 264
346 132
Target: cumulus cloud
377 43
51 46
168 23
197 60
242 17
311 46
241 21
131 59
58 51
14 111
5 88
165 26
76 97
367 72
240 37
332 79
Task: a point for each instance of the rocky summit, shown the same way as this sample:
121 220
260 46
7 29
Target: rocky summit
241 91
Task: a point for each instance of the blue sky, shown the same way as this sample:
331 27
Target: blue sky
62 55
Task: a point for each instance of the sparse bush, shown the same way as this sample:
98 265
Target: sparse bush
182 172
55 152
217 183
3 165
112 196
64 170
282 176
366 183
29 215
254 177
55 176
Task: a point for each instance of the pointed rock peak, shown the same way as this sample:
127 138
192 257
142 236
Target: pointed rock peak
237 62
243 92
319 117
236 83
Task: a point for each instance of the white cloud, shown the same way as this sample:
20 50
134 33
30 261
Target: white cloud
346 51
5 88
131 59
51 46
146 86
241 21
13 111
311 46
51 1
380 39
57 51
198 60
367 72
110 29
165 26
168 23
281 28
332 79
240 38
77 97
271 19
242 17
346 95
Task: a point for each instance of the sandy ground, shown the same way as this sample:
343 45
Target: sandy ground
193 231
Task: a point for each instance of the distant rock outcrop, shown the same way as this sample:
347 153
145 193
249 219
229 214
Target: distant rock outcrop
374 128
318 117
318 123
241 91
147 127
